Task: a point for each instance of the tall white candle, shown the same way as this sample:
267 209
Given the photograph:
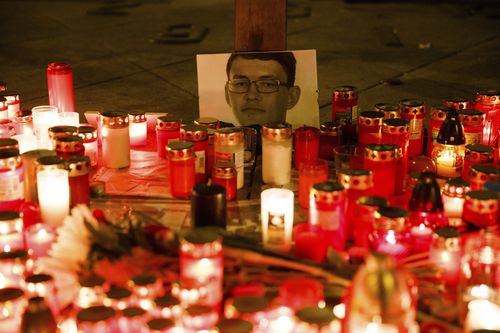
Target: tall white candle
277 218
27 142
53 195
115 139
44 116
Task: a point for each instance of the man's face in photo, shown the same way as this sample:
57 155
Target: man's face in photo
254 107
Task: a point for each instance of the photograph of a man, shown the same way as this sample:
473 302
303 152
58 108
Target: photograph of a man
253 88
261 86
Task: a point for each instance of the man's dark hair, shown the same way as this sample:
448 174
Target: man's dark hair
285 59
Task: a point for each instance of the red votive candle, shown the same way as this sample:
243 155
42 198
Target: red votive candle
167 130
395 131
481 208
311 172
458 103
381 160
309 242
89 136
181 168
437 117
224 174
358 183
78 173
489 102
198 135
329 138
390 110
445 252
365 209
299 292
477 154
69 146
306 145
479 174
413 110
473 122
370 127
345 109
422 237
60 85
11 180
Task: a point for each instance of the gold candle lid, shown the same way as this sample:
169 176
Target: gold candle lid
193 133
224 170
471 117
328 193
6 143
49 163
250 304
62 130
37 153
69 144
24 116
371 118
381 152
482 173
315 316
234 325
229 136
95 313
458 103
137 116
448 237
491 96
87 133
412 107
207 122
180 150
456 188
479 153
202 242
277 131
167 123
331 128
78 166
438 112
114 119
344 92
391 218
395 126
390 110
483 202
8 124
10 159
356 179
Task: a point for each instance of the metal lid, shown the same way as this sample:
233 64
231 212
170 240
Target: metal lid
207 122
457 102
144 280
62 130
6 143
19 255
344 92
91 281
23 116
9 294
95 314
356 179
479 153
327 193
391 218
396 126
9 93
118 293
87 133
491 96
390 110
277 131
78 166
180 150
225 170
371 118
197 310
372 200
250 304
58 68
472 117
229 136
202 236
193 133
39 278
133 312
456 188
137 116
381 152
166 123
37 153
315 315
482 202
447 232
50 163
331 128
412 107
438 112
234 325
10 159
166 301
9 215
485 168
160 324
69 144
114 119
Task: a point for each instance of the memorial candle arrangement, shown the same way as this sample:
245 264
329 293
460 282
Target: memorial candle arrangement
277 218
276 154
115 139
11 231
489 102
167 130
413 110
477 154
390 110
370 127
180 155
454 191
44 117
473 122
11 180
198 135
60 86
306 145
438 115
53 195
229 145
138 128
89 136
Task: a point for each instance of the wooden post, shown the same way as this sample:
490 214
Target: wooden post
260 25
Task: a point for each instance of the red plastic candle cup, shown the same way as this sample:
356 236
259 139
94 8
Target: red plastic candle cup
344 104
370 127
167 130
391 111
395 131
89 136
180 156
198 135
481 208
11 180
306 145
473 122
364 211
310 173
138 128
69 146
445 252
329 138
479 174
327 210
458 103
299 292
422 237
381 160
391 234
437 117
477 154
79 184
60 85
489 102
224 174
309 242
357 183
413 110
454 191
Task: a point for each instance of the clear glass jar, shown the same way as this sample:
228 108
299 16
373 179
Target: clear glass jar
277 207
11 231
138 128
11 180
115 139
276 154
229 145
89 136
44 117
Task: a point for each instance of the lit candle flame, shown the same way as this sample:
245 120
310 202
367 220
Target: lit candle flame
391 237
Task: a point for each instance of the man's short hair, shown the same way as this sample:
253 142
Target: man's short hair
285 59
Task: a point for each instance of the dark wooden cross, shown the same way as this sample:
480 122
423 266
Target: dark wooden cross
260 25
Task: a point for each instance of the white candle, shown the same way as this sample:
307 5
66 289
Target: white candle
115 139
44 117
277 218
26 142
453 206
39 238
11 232
482 314
53 195
68 119
138 133
446 165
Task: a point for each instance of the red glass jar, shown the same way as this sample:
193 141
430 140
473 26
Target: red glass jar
489 102
364 210
396 131
78 173
479 174
481 208
180 156
89 136
4 114
69 146
370 127
60 86
167 130
453 195
224 174
391 232
11 180
477 154
13 102
329 138
310 173
198 135
445 253
473 122
357 183
327 209
458 103
437 117
210 151
426 203
306 145
229 145
381 160
413 110
345 110
390 110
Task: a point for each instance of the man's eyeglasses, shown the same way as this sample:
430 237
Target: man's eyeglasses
264 86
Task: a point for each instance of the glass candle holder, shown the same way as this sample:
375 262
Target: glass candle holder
396 131
277 218
329 138
181 166
69 146
479 174
234 325
357 183
381 160
327 210
11 180
79 182
413 110
11 231
309 242
68 119
167 130
4 113
13 101
118 298
449 160
457 102
23 122
12 305
13 268
50 163
7 129
473 121
316 320
437 117
115 139
167 307
390 110
138 128
453 195
247 307
364 210
229 146
60 131
300 292
208 206
145 287
199 317
306 145
488 102
189 292
60 85
89 136
480 208
426 205
43 285
225 175
198 135
370 127
276 154
26 142
97 319
477 154
445 253
44 117
208 122
6 143
39 239
202 264
133 319
91 292
391 232
345 108
310 173
53 195
29 159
